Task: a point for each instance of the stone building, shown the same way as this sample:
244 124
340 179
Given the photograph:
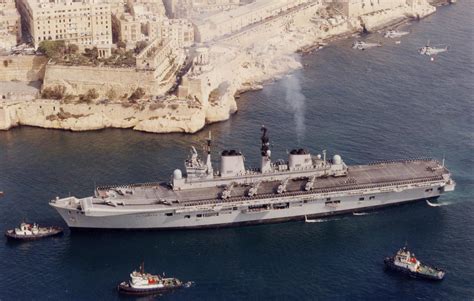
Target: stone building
156 55
132 29
85 23
10 25
163 59
181 31
192 8
146 8
129 30
356 8
232 21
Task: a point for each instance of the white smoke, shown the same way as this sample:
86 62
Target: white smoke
296 102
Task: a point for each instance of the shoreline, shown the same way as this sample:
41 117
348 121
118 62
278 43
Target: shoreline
191 119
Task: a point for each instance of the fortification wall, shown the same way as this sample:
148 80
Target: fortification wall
22 68
79 79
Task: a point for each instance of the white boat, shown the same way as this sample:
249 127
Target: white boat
392 34
142 283
361 45
28 231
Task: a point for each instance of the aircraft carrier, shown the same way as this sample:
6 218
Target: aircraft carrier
302 186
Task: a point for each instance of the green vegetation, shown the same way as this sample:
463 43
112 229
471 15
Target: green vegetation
140 46
56 92
90 95
53 49
137 94
57 49
111 94
121 44
64 54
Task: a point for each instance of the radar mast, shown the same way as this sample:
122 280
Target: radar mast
266 164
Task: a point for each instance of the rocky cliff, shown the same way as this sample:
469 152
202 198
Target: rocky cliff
241 62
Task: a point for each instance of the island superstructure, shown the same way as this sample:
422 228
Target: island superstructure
304 185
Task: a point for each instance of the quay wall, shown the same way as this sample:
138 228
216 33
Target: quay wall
25 68
79 79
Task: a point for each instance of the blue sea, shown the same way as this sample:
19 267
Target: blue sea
383 103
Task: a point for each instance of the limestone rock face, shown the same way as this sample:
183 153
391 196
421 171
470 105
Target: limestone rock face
238 63
83 117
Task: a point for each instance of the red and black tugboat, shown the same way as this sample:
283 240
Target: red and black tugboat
142 283
33 231
405 262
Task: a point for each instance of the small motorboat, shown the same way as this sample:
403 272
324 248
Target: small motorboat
361 45
28 231
405 262
142 283
392 34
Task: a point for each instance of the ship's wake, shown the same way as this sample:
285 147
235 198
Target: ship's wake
321 220
361 213
188 284
437 204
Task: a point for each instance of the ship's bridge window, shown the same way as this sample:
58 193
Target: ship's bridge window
372 197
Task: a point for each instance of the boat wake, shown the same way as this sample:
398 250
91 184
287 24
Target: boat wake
189 284
360 213
436 204
320 220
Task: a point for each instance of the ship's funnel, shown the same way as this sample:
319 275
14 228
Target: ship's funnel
299 159
232 163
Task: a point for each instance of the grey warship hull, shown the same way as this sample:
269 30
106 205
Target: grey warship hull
372 186
305 185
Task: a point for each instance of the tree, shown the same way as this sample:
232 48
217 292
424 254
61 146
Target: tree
111 94
121 44
91 53
53 49
72 48
92 94
137 94
56 92
140 46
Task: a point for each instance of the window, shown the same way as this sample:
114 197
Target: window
187 216
429 190
328 199
361 199
198 215
372 197
169 214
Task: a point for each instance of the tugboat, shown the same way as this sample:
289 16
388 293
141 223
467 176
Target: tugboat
142 283
32 231
405 262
